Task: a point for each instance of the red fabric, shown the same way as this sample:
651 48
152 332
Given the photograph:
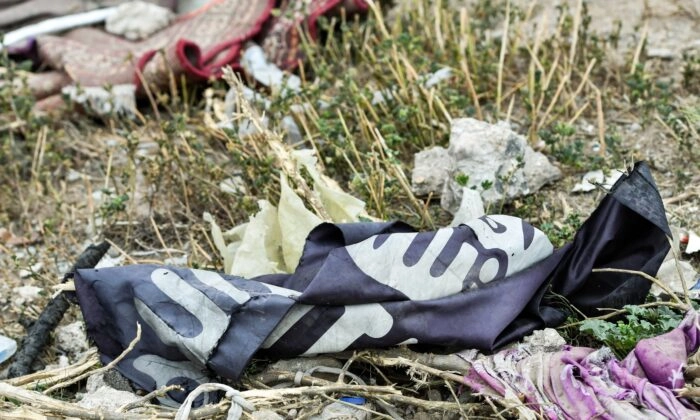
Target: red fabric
198 45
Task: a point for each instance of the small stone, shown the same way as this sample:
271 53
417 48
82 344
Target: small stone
107 399
591 179
249 128
265 415
117 100
434 395
136 20
72 339
431 169
661 53
268 74
668 275
547 340
340 411
438 77
290 127
73 175
26 294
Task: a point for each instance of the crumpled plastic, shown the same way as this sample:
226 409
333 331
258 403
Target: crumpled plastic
282 230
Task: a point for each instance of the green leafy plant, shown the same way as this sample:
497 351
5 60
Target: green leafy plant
639 323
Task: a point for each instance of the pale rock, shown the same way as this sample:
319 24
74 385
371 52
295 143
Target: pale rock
73 176
265 415
118 100
340 411
494 154
268 74
472 207
293 133
138 20
249 128
72 338
547 340
438 77
431 169
107 399
179 261
591 179
668 275
26 294
234 185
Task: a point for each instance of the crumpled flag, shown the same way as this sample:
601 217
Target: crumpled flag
198 45
361 285
585 383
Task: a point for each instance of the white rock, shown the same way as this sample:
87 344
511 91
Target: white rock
265 415
693 243
8 347
340 411
668 274
494 154
547 340
138 20
472 207
234 185
107 399
290 127
248 127
431 169
268 74
72 339
180 261
591 179
439 76
118 100
108 261
26 294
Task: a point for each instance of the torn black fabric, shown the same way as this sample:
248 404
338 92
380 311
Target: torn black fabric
479 285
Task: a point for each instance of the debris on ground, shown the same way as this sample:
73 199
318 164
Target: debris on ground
593 179
137 20
489 158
